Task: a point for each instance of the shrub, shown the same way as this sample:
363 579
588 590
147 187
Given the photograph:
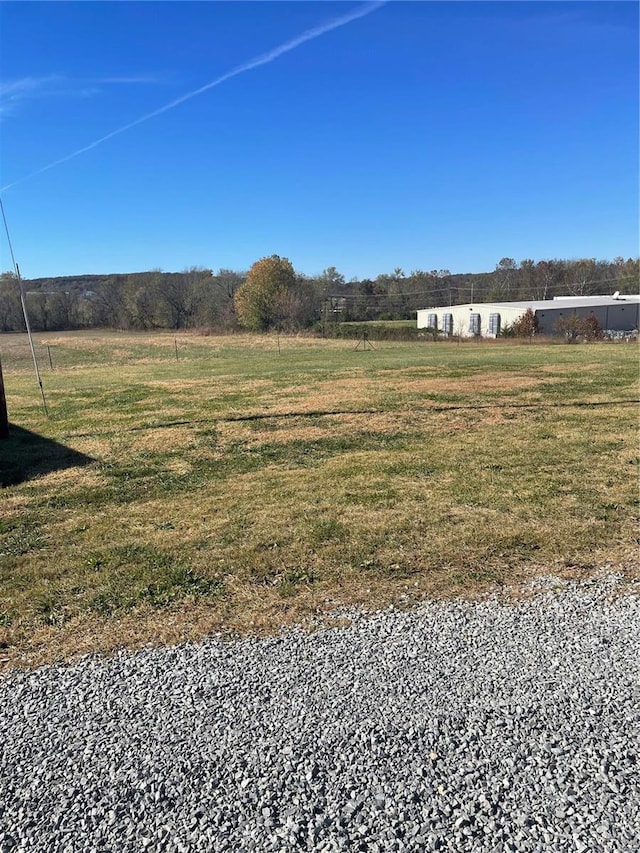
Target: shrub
525 326
578 328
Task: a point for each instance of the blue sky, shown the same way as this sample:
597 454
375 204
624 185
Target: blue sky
418 135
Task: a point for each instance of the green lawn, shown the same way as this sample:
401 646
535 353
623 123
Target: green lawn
253 482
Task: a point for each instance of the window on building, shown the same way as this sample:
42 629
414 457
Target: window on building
474 323
447 324
494 324
432 321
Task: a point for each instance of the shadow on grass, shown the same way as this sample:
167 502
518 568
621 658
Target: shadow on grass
26 454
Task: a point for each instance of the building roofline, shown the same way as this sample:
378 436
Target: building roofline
542 304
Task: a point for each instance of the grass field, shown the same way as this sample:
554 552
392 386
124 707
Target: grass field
253 482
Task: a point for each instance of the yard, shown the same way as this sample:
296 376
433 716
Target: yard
183 486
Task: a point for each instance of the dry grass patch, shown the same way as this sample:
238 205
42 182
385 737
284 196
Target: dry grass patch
162 440
466 385
298 429
272 499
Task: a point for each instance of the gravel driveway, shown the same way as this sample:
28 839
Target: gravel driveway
452 726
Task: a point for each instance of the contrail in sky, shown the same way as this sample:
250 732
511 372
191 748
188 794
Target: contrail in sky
265 59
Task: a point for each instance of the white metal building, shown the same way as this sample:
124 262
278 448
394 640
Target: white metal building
485 319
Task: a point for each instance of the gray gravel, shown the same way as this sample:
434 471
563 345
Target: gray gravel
452 726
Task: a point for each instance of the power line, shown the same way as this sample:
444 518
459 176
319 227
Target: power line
456 289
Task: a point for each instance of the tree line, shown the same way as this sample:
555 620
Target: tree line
273 295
